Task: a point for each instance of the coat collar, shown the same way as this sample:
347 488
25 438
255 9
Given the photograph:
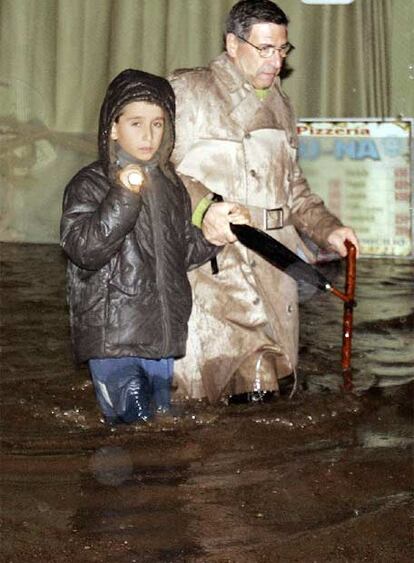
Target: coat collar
228 73
247 110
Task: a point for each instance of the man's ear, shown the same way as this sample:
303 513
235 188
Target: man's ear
232 44
114 131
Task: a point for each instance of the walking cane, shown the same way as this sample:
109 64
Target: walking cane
349 303
284 259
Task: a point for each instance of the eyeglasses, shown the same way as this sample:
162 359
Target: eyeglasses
268 51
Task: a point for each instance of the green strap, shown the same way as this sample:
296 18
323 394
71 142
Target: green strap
200 211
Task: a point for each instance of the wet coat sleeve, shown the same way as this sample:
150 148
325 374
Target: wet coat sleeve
186 117
199 250
96 219
308 211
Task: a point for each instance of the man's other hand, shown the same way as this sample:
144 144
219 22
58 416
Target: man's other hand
338 237
217 219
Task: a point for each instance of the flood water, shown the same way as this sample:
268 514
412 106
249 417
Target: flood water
323 476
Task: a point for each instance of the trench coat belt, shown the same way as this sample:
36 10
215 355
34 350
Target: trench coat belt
269 219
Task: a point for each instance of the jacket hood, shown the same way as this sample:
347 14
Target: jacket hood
136 86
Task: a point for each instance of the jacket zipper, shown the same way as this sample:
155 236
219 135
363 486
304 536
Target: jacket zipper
159 274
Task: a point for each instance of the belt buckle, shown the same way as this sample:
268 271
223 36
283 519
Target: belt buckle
273 218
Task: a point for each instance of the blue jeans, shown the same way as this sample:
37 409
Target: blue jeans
127 388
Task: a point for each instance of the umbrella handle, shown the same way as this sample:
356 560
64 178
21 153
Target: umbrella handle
349 303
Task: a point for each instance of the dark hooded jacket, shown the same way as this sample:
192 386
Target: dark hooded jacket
129 253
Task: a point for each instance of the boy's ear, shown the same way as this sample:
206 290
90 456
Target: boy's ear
114 131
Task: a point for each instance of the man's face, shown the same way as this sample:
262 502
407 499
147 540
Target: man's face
258 71
139 129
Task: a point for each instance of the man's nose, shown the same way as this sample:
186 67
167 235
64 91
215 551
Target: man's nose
274 64
277 59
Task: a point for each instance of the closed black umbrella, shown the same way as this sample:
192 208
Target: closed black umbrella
280 256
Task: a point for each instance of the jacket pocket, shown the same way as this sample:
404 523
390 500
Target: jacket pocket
87 299
133 319
137 287
128 272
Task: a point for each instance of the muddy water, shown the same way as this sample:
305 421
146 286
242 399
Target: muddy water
324 476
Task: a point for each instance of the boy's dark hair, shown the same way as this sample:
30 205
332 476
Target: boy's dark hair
133 85
246 13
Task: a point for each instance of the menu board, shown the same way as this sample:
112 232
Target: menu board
362 170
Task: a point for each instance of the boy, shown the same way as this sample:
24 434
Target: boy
126 229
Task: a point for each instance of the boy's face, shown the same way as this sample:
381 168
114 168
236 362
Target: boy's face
139 129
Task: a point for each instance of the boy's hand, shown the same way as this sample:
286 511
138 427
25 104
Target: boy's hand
131 177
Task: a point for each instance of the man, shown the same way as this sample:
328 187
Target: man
236 137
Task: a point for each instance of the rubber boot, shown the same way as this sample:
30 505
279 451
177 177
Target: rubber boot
161 394
135 400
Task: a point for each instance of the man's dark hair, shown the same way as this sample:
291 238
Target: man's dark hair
246 13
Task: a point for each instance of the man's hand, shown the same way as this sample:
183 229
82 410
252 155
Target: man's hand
338 237
217 219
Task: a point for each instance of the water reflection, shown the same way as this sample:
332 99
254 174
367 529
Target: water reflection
383 346
111 466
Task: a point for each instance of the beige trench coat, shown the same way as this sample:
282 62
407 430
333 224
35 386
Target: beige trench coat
243 331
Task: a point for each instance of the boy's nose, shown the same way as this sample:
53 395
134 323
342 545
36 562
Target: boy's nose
147 134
